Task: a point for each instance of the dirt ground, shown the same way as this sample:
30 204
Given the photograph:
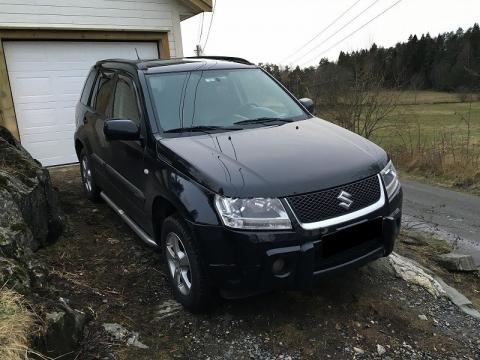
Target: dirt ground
102 268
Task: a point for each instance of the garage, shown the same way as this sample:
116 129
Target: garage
48 46
46 78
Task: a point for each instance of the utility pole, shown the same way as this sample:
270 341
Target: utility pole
199 50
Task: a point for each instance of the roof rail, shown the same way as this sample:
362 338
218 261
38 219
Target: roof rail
225 58
137 64
121 61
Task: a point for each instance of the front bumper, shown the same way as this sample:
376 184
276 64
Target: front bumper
242 262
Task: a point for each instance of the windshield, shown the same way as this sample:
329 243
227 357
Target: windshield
220 99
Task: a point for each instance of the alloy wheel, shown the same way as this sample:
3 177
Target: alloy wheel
178 263
86 174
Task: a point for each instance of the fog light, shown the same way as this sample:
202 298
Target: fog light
278 266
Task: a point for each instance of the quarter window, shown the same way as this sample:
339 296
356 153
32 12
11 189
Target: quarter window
87 88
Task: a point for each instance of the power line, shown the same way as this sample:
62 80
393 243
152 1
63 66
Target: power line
201 28
336 32
210 26
353 32
321 32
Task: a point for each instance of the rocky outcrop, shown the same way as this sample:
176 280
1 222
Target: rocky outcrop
29 212
30 218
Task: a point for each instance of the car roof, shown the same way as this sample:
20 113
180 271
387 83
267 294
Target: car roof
178 64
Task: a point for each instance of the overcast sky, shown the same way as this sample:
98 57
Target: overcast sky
271 30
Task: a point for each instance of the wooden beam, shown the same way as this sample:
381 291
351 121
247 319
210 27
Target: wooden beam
74 34
7 109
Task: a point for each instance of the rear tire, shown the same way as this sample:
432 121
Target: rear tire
89 185
184 266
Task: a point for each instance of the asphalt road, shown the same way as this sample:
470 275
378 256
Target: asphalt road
451 214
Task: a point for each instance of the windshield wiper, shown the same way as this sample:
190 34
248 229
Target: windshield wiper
263 120
202 128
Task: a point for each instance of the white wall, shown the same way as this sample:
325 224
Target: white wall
145 15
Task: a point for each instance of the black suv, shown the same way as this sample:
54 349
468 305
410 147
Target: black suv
242 189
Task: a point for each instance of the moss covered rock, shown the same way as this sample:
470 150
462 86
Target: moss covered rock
29 212
14 275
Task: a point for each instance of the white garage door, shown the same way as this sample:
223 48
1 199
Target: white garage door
46 78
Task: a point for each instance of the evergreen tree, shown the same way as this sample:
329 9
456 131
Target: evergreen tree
446 62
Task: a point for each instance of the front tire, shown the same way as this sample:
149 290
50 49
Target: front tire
184 266
89 185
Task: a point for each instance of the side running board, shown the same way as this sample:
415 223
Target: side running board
142 234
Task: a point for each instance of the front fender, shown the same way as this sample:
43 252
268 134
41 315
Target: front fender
194 202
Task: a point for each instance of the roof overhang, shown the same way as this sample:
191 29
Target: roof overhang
199 6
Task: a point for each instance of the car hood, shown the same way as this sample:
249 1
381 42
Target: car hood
275 161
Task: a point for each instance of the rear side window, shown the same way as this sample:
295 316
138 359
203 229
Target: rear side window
104 94
125 103
87 88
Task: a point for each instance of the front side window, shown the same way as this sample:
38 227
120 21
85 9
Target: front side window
220 99
167 94
125 102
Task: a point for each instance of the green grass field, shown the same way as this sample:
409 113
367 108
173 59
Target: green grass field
429 121
410 97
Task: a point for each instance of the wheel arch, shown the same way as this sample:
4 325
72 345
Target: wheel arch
192 205
161 209
79 147
82 143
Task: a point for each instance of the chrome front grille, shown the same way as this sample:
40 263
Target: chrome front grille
332 203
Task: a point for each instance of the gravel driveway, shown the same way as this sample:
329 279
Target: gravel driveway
101 267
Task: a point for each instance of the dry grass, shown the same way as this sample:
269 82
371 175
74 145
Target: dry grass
16 322
438 139
445 153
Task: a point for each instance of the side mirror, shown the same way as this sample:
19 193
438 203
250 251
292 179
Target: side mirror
308 104
121 130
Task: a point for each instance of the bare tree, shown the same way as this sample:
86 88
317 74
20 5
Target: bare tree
416 82
363 105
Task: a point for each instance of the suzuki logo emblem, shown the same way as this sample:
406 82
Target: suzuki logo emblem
345 200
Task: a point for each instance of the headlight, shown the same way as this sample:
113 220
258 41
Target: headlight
256 213
390 179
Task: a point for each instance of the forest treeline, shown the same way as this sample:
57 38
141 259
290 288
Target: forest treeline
447 62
